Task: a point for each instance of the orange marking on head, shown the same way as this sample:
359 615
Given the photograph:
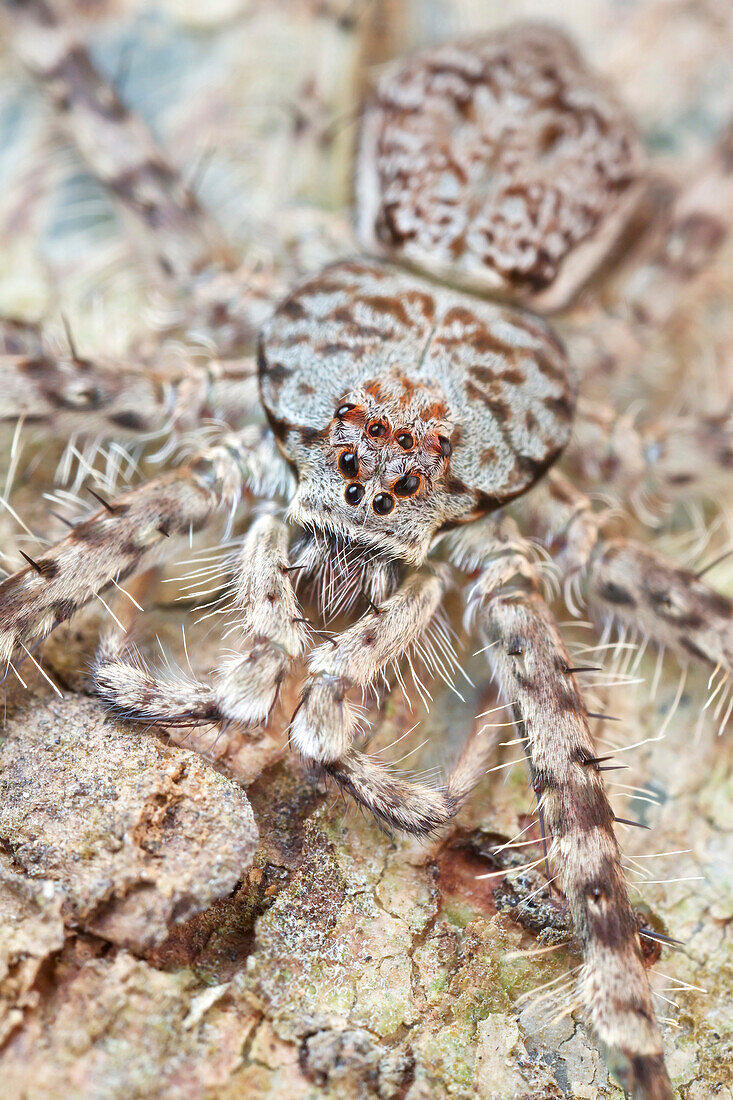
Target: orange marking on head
436 411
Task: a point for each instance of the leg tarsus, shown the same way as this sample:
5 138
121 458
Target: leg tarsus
326 723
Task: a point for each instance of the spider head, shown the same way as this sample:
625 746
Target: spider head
378 477
405 409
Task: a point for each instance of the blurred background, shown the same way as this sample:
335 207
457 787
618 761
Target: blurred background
257 104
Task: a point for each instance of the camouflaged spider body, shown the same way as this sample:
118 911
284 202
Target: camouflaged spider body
503 167
412 396
407 409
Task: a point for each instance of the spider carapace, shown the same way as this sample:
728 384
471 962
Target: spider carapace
412 395
407 409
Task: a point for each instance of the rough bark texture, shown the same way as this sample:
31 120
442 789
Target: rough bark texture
150 943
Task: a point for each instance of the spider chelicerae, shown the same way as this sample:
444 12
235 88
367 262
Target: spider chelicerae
410 399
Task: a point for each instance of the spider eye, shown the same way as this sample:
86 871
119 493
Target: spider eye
406 441
348 464
342 410
353 493
377 429
407 485
446 448
383 504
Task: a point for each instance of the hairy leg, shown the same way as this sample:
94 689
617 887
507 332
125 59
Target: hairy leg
669 457
640 589
684 241
534 671
246 683
102 398
80 395
326 722
630 582
130 532
683 235
180 240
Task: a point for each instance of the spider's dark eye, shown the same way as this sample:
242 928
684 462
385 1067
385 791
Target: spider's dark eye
342 410
445 445
383 504
407 485
353 493
377 429
406 441
348 464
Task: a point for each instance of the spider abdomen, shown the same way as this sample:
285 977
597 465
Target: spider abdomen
500 163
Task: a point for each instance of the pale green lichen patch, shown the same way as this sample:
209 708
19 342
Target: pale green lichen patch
384 999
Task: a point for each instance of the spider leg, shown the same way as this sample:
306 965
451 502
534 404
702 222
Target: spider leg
130 532
180 241
69 395
655 276
671 456
246 683
686 239
325 723
633 584
637 586
118 411
171 230
93 396
533 667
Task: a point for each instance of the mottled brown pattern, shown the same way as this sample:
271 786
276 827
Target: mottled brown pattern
111 545
579 819
417 358
184 238
495 160
640 587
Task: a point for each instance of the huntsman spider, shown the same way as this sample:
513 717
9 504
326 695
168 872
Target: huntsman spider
415 420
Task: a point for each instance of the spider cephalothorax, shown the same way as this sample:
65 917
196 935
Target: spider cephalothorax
406 408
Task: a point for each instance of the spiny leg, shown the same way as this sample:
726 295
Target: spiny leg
326 723
69 395
131 531
98 397
633 584
533 669
179 239
118 412
246 683
495 546
640 589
